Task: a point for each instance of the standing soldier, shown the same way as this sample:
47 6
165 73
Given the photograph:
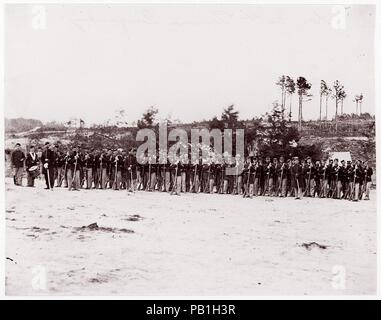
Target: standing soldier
319 179
96 173
258 177
309 172
297 177
268 175
88 167
281 178
176 174
184 169
368 172
73 171
104 163
17 160
334 178
247 178
342 177
327 178
60 166
30 162
116 167
48 160
357 175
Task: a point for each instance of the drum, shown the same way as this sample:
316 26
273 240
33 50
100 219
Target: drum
34 171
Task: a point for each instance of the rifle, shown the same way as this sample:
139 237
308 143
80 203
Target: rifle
354 183
281 179
100 182
116 171
65 168
75 172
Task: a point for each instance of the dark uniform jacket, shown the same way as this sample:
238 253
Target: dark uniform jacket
30 161
18 158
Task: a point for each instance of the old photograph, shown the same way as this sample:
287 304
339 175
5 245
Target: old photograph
189 150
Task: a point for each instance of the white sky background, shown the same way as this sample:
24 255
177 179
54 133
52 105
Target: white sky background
189 61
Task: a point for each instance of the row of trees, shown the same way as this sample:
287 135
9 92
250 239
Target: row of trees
302 87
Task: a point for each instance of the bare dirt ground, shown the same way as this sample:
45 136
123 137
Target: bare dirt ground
157 244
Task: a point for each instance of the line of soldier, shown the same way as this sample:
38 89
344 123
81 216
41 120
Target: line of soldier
119 169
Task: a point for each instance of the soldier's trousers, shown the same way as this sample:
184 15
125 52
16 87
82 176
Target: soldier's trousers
176 188
116 179
102 178
60 176
196 182
339 189
183 182
73 179
269 183
309 187
239 185
167 180
326 188
89 177
30 179
152 181
356 191
18 172
257 187
284 183
211 185
367 189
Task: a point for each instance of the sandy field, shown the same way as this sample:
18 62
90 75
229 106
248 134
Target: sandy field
157 244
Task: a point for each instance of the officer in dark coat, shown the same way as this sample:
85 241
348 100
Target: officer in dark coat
48 161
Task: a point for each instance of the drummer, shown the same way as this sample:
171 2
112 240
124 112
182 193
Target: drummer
32 166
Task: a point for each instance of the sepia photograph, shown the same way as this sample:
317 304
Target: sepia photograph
182 150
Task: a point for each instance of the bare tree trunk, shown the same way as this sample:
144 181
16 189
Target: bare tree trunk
342 102
290 106
360 107
336 112
321 96
300 113
357 107
326 108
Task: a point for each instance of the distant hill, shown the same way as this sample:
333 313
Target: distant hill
20 125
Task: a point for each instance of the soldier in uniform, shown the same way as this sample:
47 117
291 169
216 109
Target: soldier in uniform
176 174
247 179
88 167
309 172
368 172
318 177
341 183
17 160
48 160
73 171
334 179
60 167
297 178
31 161
116 166
268 175
357 175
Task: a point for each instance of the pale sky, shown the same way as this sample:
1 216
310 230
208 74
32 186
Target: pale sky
190 61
